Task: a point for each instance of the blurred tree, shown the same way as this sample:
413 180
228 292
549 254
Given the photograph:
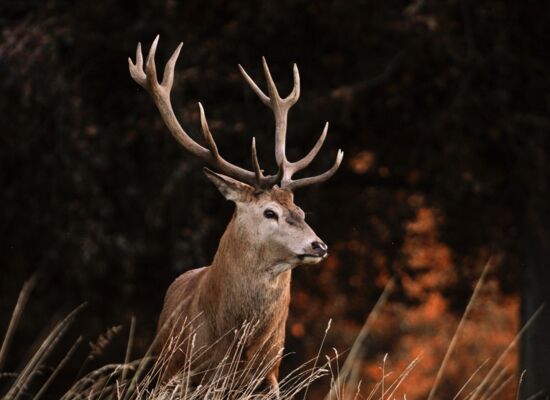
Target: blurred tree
536 245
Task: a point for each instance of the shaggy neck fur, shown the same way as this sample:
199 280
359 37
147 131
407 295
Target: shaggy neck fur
241 285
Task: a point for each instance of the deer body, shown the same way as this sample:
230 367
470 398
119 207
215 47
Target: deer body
248 281
225 296
249 278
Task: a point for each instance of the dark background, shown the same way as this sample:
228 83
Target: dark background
441 107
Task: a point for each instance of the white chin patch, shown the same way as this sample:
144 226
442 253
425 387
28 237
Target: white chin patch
311 260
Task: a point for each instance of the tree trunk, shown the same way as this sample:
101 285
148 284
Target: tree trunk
535 344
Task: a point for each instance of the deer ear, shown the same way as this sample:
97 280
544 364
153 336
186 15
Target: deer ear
231 189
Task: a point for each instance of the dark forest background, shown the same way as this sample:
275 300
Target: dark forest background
441 107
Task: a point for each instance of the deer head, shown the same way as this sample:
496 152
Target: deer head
268 224
265 215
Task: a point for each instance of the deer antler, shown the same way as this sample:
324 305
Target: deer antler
280 108
160 92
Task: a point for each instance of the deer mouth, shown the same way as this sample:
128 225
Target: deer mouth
311 258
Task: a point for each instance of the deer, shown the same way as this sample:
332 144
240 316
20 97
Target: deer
267 237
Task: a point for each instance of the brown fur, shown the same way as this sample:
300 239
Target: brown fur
235 288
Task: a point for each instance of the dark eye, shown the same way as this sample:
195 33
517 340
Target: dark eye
270 214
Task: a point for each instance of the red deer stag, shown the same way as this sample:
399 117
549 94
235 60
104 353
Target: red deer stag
249 278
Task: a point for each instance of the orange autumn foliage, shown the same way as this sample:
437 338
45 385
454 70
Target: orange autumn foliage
420 319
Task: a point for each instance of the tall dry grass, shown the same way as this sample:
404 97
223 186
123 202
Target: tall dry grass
139 379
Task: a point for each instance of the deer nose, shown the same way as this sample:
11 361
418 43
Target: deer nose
319 248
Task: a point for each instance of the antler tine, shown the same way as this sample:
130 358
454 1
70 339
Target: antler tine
254 87
255 163
293 185
306 160
160 92
136 70
168 77
207 134
294 96
150 66
271 88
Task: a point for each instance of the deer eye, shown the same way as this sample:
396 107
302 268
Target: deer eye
270 214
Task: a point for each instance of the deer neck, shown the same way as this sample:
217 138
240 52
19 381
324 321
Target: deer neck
240 257
241 282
